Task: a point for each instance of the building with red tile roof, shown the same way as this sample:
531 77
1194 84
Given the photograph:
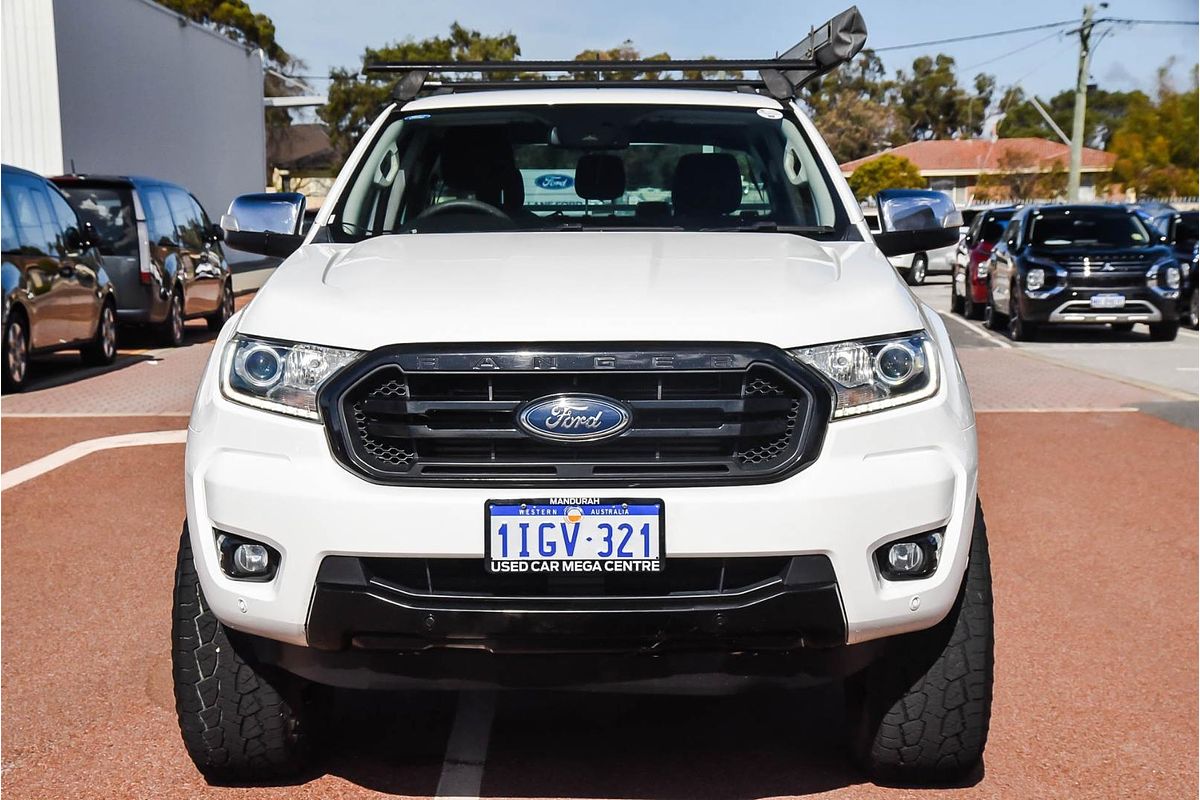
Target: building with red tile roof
954 165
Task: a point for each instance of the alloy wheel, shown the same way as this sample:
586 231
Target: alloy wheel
176 319
18 353
108 332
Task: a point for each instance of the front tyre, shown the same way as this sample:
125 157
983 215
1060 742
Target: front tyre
920 714
1192 315
956 300
16 351
915 274
217 319
170 331
102 350
1019 330
240 723
1164 331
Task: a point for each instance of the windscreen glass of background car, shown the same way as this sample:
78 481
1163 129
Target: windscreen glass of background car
993 226
1073 228
1186 233
110 210
590 167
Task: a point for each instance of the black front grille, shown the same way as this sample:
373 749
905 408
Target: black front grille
720 415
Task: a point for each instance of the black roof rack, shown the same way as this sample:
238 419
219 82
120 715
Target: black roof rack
824 49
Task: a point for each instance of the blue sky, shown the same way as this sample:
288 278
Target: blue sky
1126 59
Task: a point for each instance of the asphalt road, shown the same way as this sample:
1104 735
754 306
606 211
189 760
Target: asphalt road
1088 478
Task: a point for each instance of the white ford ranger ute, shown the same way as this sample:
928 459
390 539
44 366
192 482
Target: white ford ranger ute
586 386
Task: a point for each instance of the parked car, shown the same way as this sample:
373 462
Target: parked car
968 284
1082 264
915 267
57 295
456 440
163 253
1180 230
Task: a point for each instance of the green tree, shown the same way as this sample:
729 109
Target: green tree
889 171
1156 142
1105 110
355 100
1021 176
934 106
235 19
852 108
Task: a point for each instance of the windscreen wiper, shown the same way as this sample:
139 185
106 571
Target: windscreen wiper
766 226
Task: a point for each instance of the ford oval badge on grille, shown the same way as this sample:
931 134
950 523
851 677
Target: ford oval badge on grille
574 418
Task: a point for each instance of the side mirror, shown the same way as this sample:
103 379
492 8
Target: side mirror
267 223
915 221
90 236
73 241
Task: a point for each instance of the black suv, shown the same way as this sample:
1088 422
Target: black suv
1079 264
1180 228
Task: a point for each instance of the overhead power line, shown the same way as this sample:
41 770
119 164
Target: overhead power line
1028 28
972 37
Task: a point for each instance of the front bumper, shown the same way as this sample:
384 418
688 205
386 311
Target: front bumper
1072 305
879 477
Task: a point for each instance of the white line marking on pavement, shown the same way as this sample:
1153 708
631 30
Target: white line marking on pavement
40 466
72 414
1068 410
466 750
978 329
1187 369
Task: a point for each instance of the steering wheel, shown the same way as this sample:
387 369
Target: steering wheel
463 207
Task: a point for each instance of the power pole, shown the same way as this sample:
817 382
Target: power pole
1085 58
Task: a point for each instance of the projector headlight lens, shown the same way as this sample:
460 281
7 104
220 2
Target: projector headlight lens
873 375
276 376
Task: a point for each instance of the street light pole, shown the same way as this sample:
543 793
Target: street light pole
1077 127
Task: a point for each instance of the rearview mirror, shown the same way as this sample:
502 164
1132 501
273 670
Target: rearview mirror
915 221
267 223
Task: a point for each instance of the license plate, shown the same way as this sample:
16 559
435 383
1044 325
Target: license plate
1108 301
574 534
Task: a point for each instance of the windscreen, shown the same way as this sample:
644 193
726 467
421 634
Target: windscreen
1185 229
110 210
994 225
584 167
1081 228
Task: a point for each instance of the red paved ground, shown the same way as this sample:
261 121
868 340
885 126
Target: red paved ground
24 439
1092 522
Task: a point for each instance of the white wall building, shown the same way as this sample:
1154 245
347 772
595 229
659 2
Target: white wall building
127 87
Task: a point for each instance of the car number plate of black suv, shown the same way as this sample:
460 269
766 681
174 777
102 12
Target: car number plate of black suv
574 535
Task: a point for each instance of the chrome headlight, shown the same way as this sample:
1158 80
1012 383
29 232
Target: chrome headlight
279 376
1035 279
876 374
1164 277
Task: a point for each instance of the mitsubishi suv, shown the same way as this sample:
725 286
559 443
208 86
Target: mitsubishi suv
675 423
1082 265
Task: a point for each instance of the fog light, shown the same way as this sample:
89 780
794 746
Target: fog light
252 559
910 558
905 557
245 559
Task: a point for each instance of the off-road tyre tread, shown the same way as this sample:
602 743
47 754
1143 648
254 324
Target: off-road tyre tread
925 708
237 725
